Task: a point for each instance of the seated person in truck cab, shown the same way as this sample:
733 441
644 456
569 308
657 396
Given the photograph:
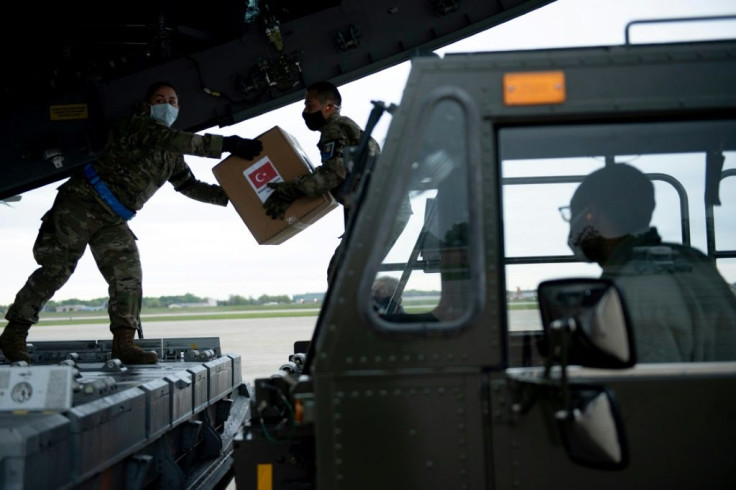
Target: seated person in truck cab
680 307
386 296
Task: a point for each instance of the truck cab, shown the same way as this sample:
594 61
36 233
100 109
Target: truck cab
501 359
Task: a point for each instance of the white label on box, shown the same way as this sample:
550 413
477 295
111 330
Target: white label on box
36 388
261 173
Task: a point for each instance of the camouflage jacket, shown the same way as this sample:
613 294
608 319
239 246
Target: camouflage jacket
141 155
338 133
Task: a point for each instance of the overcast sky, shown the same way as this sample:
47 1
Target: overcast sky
191 247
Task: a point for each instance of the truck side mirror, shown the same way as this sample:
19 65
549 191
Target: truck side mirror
586 322
591 428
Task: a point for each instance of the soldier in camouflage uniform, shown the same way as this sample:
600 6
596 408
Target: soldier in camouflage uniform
337 132
92 208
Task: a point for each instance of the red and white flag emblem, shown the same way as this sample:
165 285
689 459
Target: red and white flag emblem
261 173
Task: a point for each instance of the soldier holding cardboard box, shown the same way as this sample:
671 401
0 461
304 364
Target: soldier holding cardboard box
337 132
321 113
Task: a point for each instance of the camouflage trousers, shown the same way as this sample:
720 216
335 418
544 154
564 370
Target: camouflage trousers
403 215
77 219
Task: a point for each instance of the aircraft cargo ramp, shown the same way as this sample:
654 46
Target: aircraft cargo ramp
77 419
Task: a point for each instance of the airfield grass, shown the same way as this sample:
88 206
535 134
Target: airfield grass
219 313
186 314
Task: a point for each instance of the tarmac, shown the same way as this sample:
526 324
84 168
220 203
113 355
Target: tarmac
264 344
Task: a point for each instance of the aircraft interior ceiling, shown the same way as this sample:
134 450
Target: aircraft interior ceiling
72 68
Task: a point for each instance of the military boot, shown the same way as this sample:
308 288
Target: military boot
127 351
13 342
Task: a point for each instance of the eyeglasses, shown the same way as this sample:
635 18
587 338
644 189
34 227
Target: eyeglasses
566 213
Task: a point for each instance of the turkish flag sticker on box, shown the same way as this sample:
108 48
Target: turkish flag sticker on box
261 173
245 183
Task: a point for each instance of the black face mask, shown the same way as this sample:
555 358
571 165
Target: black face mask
588 245
314 120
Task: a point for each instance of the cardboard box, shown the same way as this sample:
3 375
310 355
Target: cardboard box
244 182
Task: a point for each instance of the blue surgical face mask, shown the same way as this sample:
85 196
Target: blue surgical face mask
164 113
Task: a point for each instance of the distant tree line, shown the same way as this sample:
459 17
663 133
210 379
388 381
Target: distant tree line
264 299
233 300
166 301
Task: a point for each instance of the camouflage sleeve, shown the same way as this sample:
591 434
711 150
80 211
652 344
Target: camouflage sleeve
325 177
184 181
158 136
336 136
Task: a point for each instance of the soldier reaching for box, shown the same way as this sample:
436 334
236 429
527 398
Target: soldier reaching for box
93 206
337 132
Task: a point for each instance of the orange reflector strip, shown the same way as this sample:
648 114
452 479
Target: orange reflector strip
298 411
265 477
529 88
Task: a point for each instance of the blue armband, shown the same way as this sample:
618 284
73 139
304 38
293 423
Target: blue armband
106 194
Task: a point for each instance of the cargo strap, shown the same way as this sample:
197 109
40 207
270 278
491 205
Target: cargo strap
106 194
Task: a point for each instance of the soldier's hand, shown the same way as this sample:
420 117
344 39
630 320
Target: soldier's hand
242 147
286 191
275 206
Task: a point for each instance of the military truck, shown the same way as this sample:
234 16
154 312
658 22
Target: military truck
519 367
524 368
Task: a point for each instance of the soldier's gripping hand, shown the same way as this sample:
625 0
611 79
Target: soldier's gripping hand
242 147
275 207
287 191
284 193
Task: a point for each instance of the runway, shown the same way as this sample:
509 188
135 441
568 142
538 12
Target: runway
264 344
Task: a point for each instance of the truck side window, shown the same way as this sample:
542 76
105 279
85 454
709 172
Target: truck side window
626 202
424 276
